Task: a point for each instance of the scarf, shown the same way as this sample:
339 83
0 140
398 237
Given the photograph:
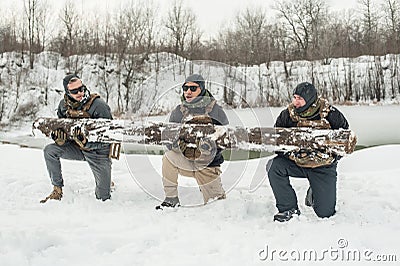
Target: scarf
199 102
311 111
74 104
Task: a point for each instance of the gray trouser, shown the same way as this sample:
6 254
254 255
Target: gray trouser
322 182
98 160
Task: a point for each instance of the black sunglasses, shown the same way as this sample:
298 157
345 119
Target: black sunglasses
192 88
75 91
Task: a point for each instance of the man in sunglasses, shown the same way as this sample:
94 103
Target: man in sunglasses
79 103
201 162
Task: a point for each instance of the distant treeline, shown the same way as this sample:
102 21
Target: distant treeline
290 30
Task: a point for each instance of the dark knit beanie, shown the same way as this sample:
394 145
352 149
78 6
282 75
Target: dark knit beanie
67 79
197 78
308 92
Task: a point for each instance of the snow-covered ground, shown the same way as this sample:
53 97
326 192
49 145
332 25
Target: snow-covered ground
79 230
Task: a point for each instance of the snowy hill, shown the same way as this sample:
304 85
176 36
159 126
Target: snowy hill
126 230
154 87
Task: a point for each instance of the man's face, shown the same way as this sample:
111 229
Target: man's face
298 101
189 94
75 84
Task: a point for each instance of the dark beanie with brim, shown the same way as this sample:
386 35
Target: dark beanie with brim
197 78
308 92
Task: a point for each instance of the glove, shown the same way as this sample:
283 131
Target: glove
79 137
206 146
59 136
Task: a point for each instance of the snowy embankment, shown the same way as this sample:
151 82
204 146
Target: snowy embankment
156 87
79 230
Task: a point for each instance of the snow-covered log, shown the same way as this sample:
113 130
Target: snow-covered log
340 141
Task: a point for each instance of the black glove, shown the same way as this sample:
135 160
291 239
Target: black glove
79 137
59 136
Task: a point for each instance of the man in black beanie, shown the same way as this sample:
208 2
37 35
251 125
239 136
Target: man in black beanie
197 106
318 166
306 91
78 103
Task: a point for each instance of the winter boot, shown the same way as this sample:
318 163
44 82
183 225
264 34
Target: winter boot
286 215
220 197
56 194
223 196
309 201
169 202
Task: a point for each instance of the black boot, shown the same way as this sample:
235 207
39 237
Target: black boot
286 215
169 202
309 201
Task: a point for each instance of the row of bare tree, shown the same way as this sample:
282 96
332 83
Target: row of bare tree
291 30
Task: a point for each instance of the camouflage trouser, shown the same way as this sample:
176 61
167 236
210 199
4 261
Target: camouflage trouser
98 160
208 178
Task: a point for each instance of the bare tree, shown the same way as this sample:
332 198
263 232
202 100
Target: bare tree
346 34
69 17
369 20
134 39
121 36
36 15
248 40
140 48
181 24
194 45
103 37
44 24
247 43
10 31
391 9
304 21
30 8
282 43
250 29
